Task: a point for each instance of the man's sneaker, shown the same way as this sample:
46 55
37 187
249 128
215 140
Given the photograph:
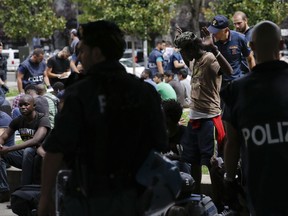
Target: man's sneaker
4 196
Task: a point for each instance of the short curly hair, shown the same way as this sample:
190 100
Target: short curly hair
188 40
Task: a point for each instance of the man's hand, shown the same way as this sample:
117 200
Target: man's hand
3 149
207 38
231 192
178 31
41 151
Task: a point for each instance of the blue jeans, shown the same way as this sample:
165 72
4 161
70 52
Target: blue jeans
22 159
200 143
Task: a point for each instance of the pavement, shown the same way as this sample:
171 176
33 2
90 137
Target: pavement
11 84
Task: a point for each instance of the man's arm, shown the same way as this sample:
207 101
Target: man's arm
160 67
51 165
231 151
5 135
46 79
73 66
50 74
208 42
177 64
20 77
251 60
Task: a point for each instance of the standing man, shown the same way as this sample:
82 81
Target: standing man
32 71
3 66
58 66
74 40
156 60
200 144
99 133
232 45
256 126
240 22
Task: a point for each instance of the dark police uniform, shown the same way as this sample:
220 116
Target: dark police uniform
152 64
258 106
233 50
117 120
33 72
3 67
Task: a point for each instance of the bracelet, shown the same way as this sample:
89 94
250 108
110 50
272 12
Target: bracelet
217 54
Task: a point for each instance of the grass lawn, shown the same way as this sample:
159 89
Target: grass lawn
12 92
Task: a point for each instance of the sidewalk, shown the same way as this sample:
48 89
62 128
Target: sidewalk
12 84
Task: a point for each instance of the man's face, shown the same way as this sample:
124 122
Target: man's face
39 58
64 54
221 35
85 56
187 54
167 79
240 24
26 106
156 79
1 48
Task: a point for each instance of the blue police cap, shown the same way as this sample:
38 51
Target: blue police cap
218 23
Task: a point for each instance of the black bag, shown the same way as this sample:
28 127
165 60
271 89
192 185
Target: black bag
195 205
25 200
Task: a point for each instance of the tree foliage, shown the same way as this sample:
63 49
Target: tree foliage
26 19
256 10
135 17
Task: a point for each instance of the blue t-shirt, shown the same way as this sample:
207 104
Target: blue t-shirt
176 56
234 50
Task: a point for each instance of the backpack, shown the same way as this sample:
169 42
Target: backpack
195 205
25 200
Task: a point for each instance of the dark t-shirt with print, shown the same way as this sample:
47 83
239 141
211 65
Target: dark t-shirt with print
26 129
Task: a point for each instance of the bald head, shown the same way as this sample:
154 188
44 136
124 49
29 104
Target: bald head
266 41
27 97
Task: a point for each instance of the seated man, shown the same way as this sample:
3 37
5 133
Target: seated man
33 128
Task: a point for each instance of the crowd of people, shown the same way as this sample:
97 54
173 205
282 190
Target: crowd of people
102 123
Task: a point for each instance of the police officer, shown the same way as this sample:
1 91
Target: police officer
109 123
156 59
256 126
3 65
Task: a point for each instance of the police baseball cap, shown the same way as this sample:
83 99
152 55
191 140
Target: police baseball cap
218 23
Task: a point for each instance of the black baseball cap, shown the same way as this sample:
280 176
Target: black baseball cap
218 23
